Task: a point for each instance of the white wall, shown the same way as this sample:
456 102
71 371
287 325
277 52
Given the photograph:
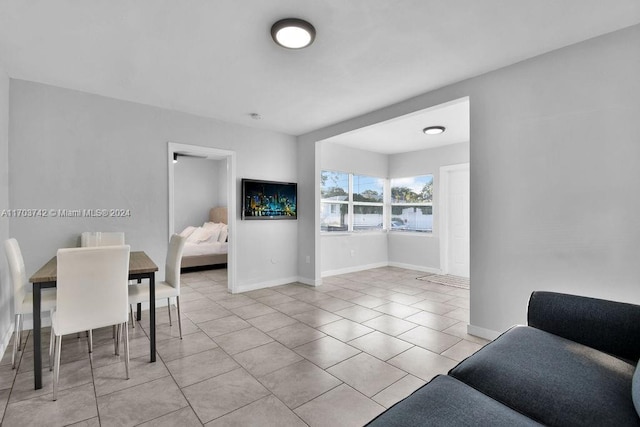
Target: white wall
421 251
222 198
346 252
75 150
309 213
6 287
196 186
554 175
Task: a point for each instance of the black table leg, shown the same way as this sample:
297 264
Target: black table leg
139 312
152 314
37 348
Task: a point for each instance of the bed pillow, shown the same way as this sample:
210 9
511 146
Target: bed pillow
187 231
215 234
224 233
215 228
199 235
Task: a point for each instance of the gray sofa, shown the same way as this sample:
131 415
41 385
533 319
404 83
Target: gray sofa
573 365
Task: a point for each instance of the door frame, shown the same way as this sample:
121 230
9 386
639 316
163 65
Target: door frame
444 212
213 154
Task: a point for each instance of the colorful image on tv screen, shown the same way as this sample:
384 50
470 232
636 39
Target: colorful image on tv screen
269 200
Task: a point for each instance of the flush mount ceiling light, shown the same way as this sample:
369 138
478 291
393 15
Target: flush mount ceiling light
293 33
433 130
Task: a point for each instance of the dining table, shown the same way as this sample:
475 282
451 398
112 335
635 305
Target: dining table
140 267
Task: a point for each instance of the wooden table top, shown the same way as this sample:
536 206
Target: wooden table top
139 262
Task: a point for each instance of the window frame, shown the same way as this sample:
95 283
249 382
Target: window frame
386 204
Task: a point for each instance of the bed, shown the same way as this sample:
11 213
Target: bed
207 245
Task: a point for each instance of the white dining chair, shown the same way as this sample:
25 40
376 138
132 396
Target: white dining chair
92 293
170 287
100 238
22 295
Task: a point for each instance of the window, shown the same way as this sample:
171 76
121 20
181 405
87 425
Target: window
412 204
334 205
351 202
368 204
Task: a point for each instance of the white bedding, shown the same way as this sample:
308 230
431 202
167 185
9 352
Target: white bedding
204 248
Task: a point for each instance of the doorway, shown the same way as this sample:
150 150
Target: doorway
228 159
454 212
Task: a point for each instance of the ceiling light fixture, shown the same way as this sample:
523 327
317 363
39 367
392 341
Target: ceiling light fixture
433 130
293 33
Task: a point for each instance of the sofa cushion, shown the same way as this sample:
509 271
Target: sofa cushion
635 388
446 401
552 380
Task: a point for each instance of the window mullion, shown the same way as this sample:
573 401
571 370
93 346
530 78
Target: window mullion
351 212
386 208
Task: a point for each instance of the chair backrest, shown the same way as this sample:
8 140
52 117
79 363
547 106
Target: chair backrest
92 288
173 261
99 238
17 271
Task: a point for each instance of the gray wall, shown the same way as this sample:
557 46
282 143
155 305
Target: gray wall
418 250
309 213
196 184
554 175
76 150
222 198
6 287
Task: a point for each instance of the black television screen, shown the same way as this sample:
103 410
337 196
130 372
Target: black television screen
269 199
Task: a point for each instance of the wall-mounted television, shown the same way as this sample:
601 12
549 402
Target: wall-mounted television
269 199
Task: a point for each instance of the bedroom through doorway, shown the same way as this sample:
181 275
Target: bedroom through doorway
202 208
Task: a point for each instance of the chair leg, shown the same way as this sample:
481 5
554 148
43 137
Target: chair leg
90 340
20 346
116 343
20 328
16 341
169 310
51 349
179 317
126 347
56 368
133 322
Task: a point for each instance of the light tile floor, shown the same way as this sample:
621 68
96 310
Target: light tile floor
292 355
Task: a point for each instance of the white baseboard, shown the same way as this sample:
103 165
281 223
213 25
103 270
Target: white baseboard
354 269
310 282
487 334
432 270
267 284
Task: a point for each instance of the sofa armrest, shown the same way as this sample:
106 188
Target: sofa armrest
608 326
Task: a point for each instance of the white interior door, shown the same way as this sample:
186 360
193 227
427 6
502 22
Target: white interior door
458 222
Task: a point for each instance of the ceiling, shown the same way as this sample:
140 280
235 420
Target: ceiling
216 58
404 134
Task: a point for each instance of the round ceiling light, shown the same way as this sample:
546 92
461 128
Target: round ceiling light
293 33
433 130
